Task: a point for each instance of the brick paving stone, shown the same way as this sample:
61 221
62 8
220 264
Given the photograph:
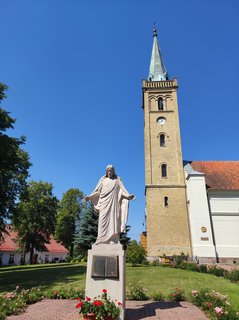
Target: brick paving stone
135 310
151 310
49 310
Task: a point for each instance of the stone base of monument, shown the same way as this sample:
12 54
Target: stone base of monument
106 270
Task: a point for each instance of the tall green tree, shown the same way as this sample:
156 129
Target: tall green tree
14 165
35 217
86 228
135 253
124 238
68 211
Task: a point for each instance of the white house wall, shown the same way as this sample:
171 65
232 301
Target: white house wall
199 219
5 256
44 256
225 216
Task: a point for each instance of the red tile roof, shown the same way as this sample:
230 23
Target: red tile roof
10 245
220 175
54 246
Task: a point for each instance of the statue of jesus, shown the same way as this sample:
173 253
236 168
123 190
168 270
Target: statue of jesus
111 201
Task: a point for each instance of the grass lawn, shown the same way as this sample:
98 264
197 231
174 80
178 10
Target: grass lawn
154 279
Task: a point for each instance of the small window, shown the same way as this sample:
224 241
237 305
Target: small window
166 201
164 170
160 104
162 140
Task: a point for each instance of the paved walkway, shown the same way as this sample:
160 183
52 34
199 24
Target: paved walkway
135 310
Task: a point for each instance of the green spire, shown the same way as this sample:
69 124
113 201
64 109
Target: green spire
157 70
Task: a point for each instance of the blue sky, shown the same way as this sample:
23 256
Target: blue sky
74 70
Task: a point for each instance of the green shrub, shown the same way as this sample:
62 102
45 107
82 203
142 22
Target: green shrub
136 292
16 301
68 259
219 272
155 263
176 295
202 268
233 275
158 296
145 263
135 253
179 259
64 293
214 304
191 266
84 259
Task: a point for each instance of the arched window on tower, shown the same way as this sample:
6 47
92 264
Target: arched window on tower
166 201
160 104
162 140
164 171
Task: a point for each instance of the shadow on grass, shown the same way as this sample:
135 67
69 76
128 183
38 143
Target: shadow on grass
27 267
143 310
46 276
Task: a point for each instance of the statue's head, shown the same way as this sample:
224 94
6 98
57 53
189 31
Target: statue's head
110 171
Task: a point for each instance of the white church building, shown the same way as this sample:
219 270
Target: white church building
213 207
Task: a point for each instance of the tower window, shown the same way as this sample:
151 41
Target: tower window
164 170
166 201
160 104
162 140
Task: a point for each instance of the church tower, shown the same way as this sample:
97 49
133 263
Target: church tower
166 204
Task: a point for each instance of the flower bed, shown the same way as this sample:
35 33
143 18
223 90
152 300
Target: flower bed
16 301
214 304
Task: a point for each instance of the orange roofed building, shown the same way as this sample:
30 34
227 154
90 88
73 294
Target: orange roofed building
10 255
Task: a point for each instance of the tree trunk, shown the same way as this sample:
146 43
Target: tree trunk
31 254
72 249
24 254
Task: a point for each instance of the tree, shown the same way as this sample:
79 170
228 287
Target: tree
86 228
35 217
14 165
124 239
135 253
68 211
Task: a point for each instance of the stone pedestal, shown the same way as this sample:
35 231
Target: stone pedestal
106 270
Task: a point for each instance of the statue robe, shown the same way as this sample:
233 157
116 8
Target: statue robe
109 199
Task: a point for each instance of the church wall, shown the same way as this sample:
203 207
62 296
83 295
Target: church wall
199 219
225 216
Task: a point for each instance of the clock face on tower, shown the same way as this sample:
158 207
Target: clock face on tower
161 121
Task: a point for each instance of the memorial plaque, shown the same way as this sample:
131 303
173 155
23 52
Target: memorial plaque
112 267
105 267
98 267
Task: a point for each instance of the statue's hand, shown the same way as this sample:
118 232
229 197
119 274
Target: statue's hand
132 197
87 198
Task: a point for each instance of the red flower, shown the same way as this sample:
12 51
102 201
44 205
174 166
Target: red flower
97 303
55 292
78 299
87 298
79 305
119 304
104 291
